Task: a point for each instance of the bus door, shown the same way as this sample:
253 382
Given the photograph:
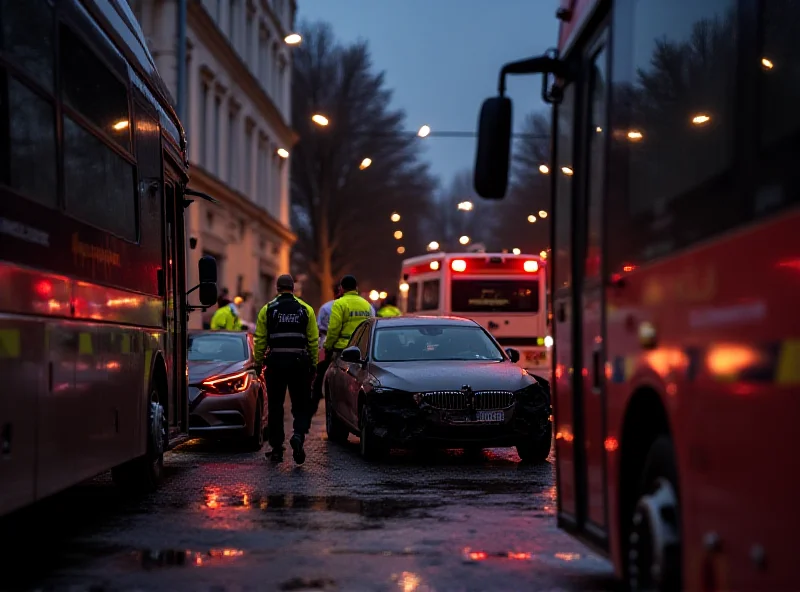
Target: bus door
579 295
174 320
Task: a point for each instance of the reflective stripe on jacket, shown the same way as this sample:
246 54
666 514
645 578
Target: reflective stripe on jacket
347 313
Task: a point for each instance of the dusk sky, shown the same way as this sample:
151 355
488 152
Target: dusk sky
442 58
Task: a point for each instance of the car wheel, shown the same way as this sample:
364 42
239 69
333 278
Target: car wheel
337 431
653 560
537 450
143 474
256 440
371 447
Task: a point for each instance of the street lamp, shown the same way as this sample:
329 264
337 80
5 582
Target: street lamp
544 169
293 39
542 214
395 217
516 251
567 171
319 119
365 163
465 206
700 119
404 287
767 63
383 295
401 249
283 153
398 234
543 254
433 246
424 131
374 295
531 218
464 240
635 135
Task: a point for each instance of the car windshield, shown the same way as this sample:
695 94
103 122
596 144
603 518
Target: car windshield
216 348
434 342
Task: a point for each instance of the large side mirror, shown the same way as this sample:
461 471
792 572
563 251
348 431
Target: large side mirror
352 355
207 272
512 354
494 148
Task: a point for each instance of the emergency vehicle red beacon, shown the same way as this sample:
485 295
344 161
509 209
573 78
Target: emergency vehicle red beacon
675 281
505 293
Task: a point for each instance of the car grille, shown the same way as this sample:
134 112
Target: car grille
457 400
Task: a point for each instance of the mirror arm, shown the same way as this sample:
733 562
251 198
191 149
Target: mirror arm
538 65
200 194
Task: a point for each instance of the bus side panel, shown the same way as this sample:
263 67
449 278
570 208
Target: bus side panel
564 416
22 355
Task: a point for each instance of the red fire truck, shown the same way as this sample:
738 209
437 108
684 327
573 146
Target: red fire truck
505 293
675 281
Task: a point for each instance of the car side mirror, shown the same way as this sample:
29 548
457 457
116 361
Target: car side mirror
512 354
352 355
494 148
207 272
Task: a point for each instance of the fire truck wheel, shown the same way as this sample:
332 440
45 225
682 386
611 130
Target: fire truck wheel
654 551
143 474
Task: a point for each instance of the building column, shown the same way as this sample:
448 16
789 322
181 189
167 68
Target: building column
252 181
283 213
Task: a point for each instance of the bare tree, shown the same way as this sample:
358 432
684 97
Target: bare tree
342 214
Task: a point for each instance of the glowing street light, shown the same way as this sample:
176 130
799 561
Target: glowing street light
383 295
567 171
544 169
465 206
433 246
121 125
401 249
424 131
542 214
395 217
516 251
543 254
531 218
374 295
283 153
293 39
319 119
398 234
635 135
404 287
365 163
464 240
767 63
700 119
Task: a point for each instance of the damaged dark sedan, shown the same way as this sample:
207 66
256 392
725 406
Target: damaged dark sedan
410 382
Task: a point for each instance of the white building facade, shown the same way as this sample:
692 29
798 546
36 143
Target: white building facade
238 125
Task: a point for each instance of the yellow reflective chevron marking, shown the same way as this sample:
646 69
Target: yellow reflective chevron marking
10 343
85 344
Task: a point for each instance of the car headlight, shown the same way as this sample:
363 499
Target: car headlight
532 394
229 384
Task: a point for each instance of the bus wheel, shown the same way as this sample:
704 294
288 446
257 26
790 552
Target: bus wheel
143 474
654 551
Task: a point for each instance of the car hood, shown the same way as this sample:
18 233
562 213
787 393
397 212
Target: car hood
199 371
451 375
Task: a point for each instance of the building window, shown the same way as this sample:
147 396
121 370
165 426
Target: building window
281 98
273 66
233 23
205 145
233 146
247 182
264 173
215 148
249 40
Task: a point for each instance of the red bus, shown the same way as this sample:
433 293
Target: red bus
503 292
93 310
675 282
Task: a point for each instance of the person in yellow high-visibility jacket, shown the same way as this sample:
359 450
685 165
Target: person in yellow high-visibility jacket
347 313
226 317
389 308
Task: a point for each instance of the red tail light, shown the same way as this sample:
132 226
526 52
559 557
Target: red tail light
228 384
458 265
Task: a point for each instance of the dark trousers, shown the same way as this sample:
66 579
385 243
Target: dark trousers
322 367
297 379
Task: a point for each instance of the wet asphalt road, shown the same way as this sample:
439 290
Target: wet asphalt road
226 520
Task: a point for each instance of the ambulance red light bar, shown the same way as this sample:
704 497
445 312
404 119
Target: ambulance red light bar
458 265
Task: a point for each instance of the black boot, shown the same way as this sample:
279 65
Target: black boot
296 442
275 455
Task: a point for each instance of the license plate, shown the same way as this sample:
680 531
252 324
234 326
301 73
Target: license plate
489 416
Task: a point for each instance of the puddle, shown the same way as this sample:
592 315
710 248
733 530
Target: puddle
491 487
155 559
368 508
309 585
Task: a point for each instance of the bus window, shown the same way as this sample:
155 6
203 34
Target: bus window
27 38
430 295
469 296
413 291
